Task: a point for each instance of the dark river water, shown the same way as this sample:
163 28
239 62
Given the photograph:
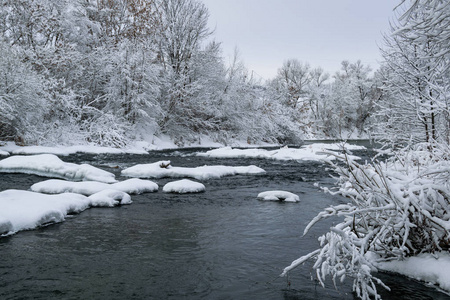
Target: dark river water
221 244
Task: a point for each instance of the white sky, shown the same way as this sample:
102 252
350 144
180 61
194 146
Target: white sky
320 32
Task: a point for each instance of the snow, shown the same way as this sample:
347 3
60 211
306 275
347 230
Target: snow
137 148
162 142
184 186
142 147
430 268
50 165
109 198
22 210
163 169
279 196
87 188
309 152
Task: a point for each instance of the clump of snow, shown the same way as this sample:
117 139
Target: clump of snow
50 165
184 186
163 169
279 196
109 198
430 268
22 210
4 153
5 226
87 188
312 152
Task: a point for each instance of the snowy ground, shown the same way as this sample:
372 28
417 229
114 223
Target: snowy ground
140 147
430 268
161 143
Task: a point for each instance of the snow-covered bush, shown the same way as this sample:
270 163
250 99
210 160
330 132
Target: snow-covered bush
399 208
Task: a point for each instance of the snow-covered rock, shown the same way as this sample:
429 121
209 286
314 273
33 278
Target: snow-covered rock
50 165
4 153
312 152
87 188
163 169
22 210
184 186
278 196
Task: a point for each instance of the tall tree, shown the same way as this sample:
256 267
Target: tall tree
182 29
416 72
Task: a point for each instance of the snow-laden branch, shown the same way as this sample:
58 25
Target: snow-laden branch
398 208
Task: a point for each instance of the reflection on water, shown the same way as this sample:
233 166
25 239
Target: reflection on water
221 244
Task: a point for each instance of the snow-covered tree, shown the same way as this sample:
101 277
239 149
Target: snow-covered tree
23 97
182 29
292 82
353 96
399 207
416 75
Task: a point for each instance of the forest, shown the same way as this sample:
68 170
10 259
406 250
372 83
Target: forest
115 71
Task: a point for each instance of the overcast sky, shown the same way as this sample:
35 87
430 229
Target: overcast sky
320 32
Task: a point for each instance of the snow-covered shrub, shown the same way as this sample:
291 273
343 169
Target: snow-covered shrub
399 208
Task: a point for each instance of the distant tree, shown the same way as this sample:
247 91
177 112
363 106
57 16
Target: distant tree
292 81
354 95
317 92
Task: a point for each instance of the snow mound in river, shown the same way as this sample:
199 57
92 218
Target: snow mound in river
22 210
279 196
50 165
130 186
184 186
163 169
312 152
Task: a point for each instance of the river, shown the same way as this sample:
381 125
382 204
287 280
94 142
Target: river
220 244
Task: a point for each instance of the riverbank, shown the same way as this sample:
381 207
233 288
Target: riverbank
142 147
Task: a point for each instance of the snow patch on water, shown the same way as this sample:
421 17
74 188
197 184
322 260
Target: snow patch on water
49 165
87 188
279 196
184 186
313 152
162 169
23 210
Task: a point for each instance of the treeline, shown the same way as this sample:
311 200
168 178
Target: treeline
112 71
